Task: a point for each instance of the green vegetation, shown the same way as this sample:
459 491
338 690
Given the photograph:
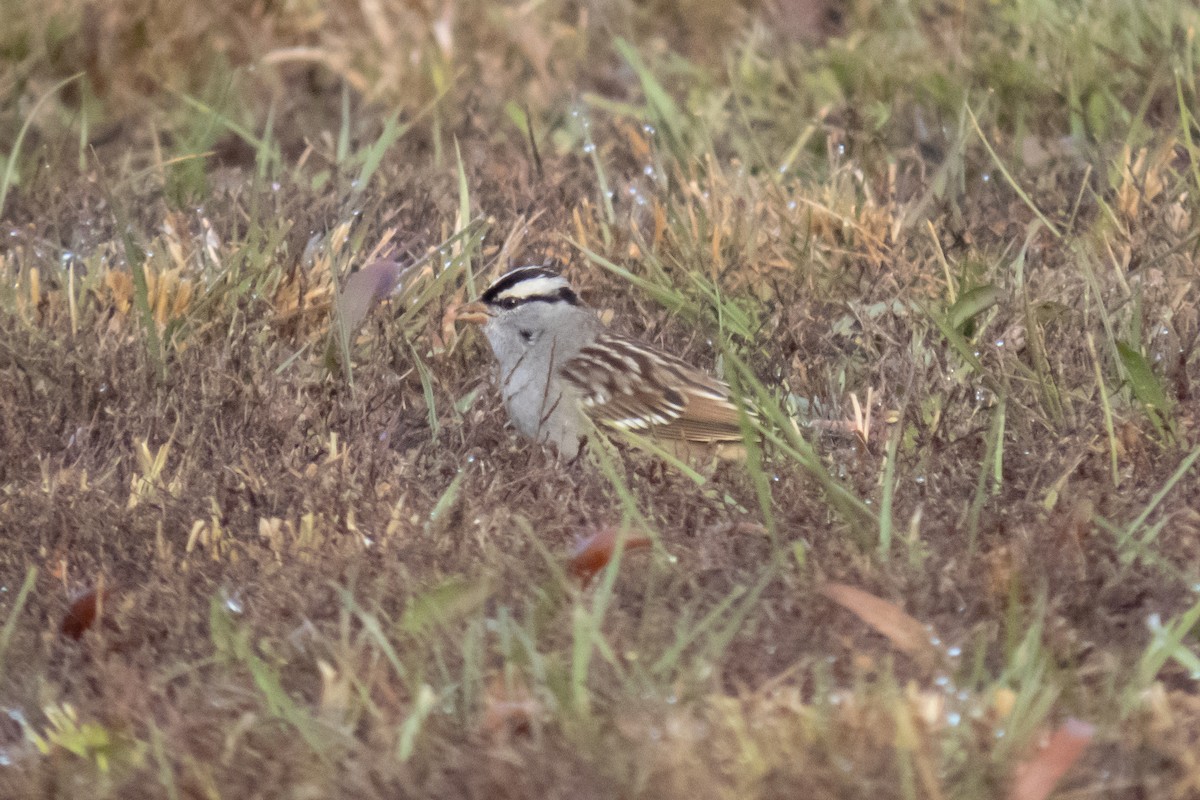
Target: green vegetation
948 251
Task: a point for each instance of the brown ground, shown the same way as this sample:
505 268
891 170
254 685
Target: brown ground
315 594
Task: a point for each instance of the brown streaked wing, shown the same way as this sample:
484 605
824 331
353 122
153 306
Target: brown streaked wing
616 373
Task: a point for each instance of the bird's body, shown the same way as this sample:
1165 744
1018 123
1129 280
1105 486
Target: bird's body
529 361
558 365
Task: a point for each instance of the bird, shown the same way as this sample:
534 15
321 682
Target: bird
559 367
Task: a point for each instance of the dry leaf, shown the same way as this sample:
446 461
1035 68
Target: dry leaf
364 289
84 610
902 630
593 553
1036 777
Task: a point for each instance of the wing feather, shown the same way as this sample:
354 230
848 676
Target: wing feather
628 385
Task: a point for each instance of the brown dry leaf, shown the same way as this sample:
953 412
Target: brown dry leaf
593 553
905 632
85 609
1036 776
364 289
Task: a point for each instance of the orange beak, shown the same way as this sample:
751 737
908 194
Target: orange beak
476 313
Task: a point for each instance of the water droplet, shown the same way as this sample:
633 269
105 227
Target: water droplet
919 480
954 652
589 147
648 170
999 343
648 129
792 205
233 602
987 177
953 719
276 186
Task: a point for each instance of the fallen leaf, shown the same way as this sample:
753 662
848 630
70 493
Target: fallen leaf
84 610
1036 776
365 288
593 553
905 632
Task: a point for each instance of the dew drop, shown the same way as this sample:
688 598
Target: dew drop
233 602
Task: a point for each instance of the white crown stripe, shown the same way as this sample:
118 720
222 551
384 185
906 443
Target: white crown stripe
540 286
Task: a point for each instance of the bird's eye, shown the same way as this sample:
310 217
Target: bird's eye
526 335
508 302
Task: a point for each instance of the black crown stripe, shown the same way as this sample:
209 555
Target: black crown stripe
512 278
